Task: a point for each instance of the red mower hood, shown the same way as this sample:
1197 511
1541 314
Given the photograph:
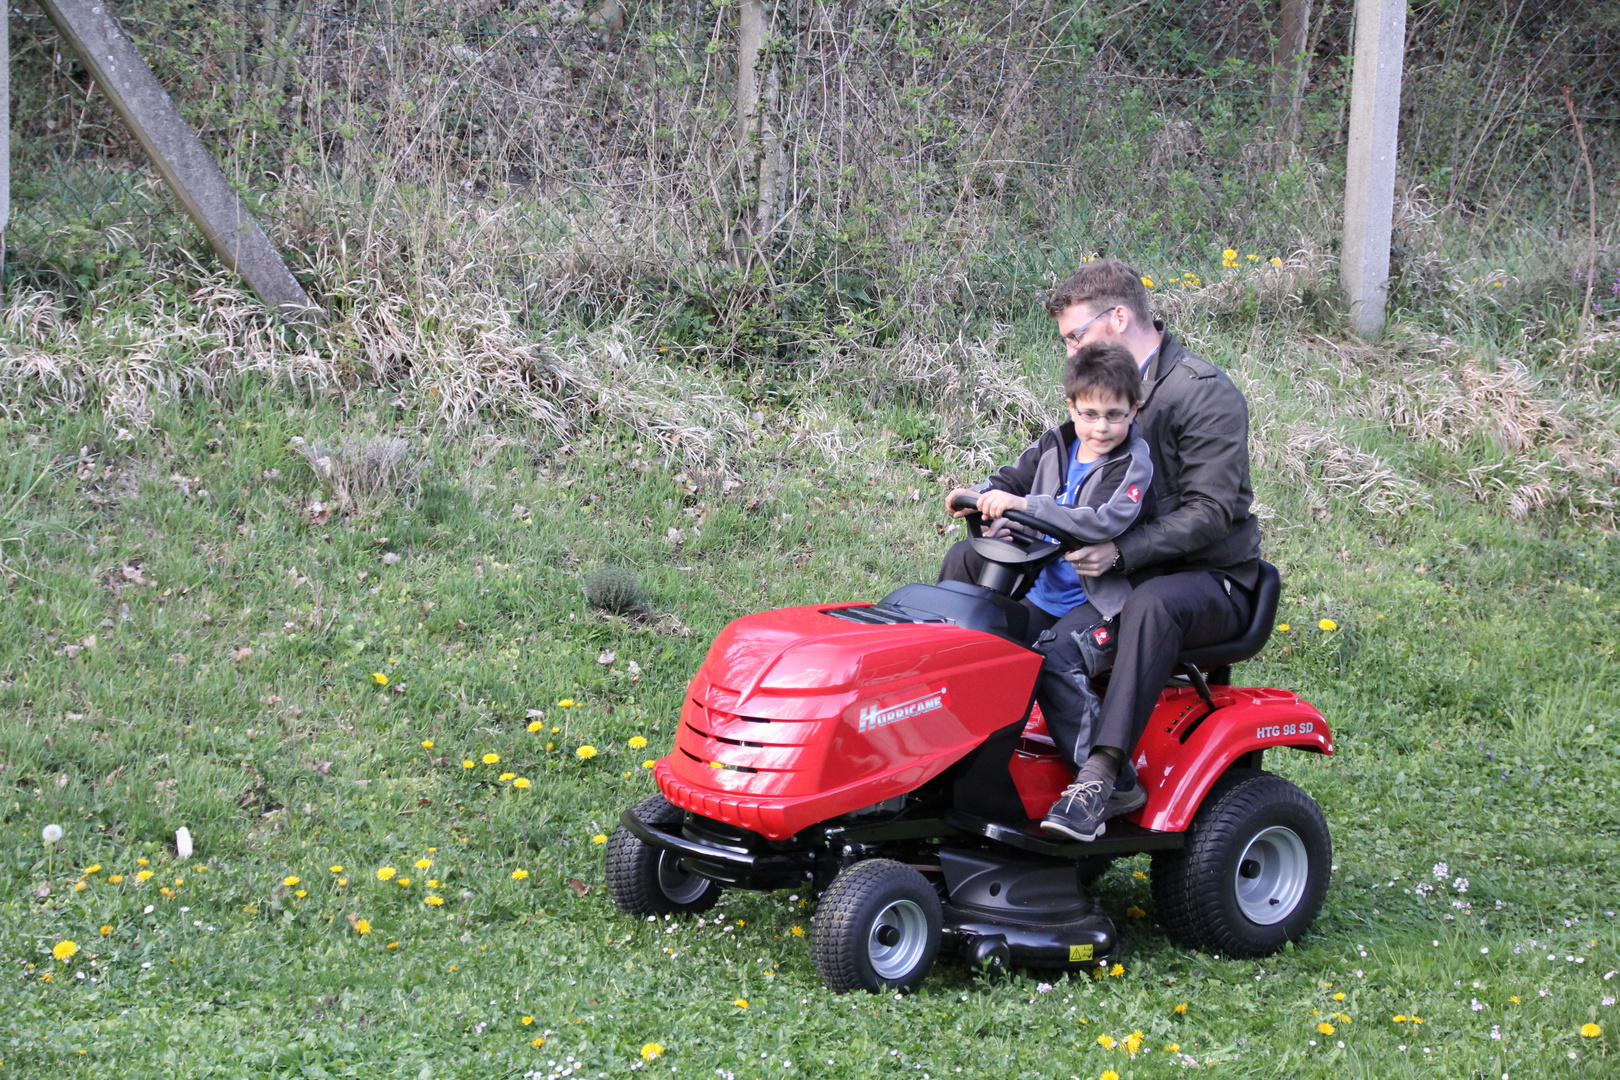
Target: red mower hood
798 716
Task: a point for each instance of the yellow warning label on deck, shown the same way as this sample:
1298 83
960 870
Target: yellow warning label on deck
1079 952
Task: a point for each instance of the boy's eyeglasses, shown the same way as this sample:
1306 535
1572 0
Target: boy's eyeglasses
1113 416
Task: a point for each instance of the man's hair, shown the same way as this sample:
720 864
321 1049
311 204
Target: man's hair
1103 369
1104 283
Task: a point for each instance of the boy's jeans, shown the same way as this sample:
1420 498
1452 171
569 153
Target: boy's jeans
1067 698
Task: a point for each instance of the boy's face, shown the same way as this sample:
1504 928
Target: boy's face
1101 421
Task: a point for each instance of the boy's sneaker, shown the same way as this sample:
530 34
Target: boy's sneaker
1079 813
1129 796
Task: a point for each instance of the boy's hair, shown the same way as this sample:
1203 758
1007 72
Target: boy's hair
1103 369
1105 283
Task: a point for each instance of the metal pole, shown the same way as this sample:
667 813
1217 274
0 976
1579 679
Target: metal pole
89 28
1369 183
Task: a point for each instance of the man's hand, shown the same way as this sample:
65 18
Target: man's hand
1093 560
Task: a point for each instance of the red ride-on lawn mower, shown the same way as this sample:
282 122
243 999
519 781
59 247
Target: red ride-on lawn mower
890 757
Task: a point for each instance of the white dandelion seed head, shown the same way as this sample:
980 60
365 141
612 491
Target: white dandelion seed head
51 833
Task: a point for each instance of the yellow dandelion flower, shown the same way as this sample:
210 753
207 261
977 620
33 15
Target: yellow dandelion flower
179 881
536 1043
1327 624
1173 1048
1106 1042
143 876
1138 875
1181 1009
433 901
649 764
106 931
300 893
1252 258
652 1050
505 776
1284 627
526 1021
1399 1018
79 886
1591 1031
362 926
599 838
551 746
741 1003
797 931
115 879
422 864
343 883
566 703
290 880
1276 261
636 743
379 678
586 752
434 883
1133 1042
427 744
143 862
1108 1074
1229 253
1147 282
404 883
64 950
1135 912
96 869
46 976
555 730
535 725
1117 970
520 783
492 758
1514 999
519 874
386 873
393 944
1339 996
336 868
1325 1028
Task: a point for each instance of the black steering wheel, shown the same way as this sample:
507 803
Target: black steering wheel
1021 551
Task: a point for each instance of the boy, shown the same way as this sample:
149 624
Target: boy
1093 475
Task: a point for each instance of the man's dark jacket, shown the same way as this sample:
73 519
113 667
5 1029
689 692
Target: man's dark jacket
1196 424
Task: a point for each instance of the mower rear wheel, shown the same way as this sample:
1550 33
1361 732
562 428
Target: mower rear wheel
877 928
1254 870
642 880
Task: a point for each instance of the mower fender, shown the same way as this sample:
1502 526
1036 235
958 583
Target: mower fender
1186 748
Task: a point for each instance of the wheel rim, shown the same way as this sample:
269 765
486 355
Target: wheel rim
1271 875
897 940
678 886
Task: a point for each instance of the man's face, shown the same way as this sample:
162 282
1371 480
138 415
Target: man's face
1081 324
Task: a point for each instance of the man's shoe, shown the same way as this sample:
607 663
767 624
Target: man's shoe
1079 813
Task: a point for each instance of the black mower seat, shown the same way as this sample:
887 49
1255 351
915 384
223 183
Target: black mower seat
1222 654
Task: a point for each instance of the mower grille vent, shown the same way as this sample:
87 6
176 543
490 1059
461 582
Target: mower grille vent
879 615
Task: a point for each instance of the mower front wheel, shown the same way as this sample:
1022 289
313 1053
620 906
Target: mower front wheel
877 928
1254 870
643 880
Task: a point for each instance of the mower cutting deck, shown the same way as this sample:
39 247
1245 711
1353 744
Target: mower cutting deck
890 758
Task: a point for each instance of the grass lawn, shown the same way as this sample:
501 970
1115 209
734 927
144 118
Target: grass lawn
368 897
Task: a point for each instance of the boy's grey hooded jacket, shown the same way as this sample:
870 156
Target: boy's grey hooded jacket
1115 493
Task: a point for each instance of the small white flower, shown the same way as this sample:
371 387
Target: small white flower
1441 871
51 833
1608 1000
1496 1032
1461 884
1043 988
1477 1005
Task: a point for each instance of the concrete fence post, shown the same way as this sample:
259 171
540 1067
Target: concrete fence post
90 30
1369 187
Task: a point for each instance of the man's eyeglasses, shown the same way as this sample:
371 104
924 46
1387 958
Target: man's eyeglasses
1113 416
1071 340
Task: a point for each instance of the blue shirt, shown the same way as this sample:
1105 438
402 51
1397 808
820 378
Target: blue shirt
1057 591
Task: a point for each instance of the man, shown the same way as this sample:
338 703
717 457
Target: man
1195 565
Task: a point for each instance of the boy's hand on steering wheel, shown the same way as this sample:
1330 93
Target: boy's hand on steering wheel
995 504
